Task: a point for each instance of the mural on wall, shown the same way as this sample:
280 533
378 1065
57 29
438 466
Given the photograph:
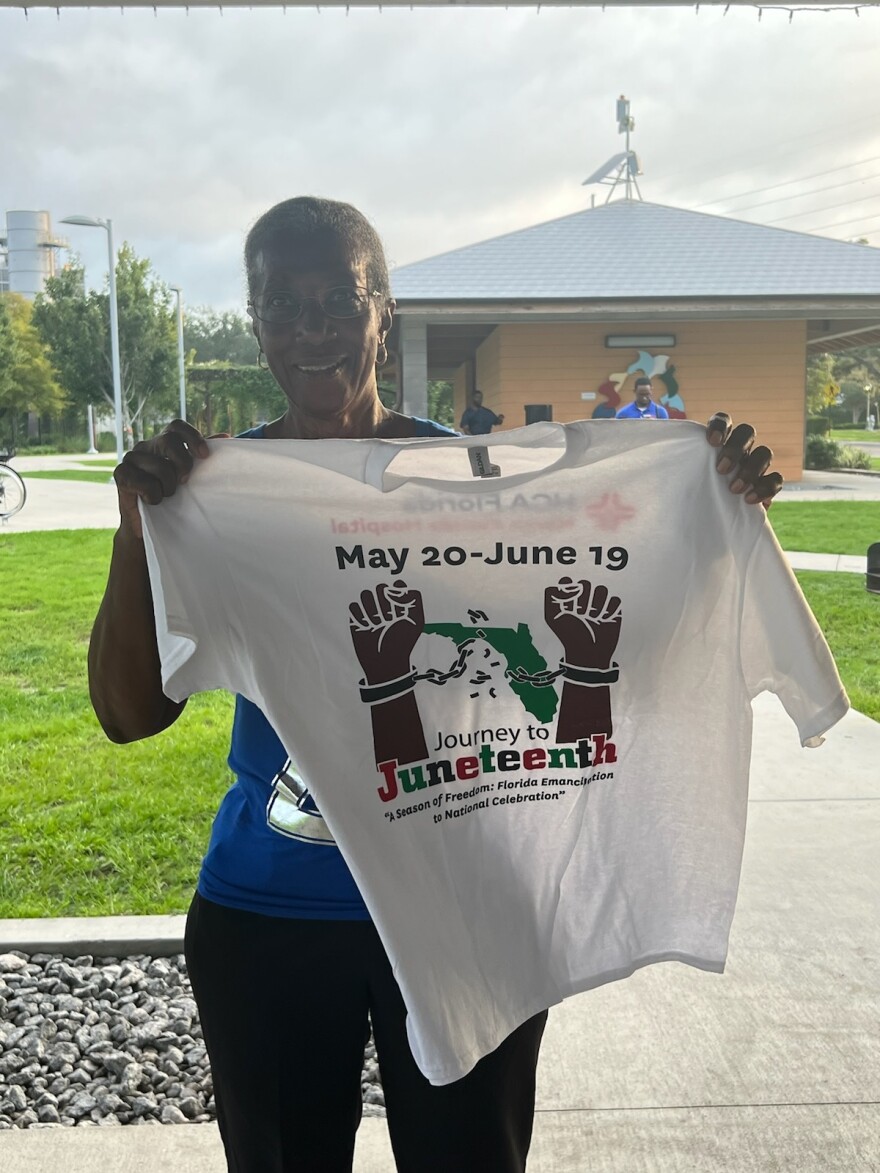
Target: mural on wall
655 366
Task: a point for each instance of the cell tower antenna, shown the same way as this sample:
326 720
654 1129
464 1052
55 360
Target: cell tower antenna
624 167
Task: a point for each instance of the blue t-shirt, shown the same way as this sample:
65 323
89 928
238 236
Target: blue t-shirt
480 420
251 865
652 412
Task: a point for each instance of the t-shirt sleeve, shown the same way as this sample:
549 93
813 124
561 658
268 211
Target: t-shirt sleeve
187 605
782 647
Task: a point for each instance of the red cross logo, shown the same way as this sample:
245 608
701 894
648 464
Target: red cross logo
609 512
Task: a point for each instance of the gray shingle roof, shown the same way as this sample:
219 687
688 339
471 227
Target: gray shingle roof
631 249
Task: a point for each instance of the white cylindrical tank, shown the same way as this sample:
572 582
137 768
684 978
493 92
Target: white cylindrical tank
30 251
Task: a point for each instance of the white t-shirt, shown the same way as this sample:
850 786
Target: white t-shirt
521 702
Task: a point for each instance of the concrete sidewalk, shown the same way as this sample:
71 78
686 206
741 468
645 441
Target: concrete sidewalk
773 1066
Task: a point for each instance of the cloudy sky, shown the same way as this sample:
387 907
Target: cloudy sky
446 126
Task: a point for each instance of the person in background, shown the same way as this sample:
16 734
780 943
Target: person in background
286 964
478 420
643 406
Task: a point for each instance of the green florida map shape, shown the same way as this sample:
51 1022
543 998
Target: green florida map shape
515 646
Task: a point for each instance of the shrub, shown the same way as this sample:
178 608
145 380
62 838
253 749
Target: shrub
824 453
818 425
853 457
821 453
72 445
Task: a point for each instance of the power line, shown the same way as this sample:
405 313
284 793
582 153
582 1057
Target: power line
840 223
798 195
824 132
825 208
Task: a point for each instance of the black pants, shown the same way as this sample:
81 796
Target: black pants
284 1006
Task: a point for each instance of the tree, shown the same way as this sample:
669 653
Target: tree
76 327
225 336
8 357
440 402
863 363
70 324
852 392
226 398
27 382
822 388
147 340
856 370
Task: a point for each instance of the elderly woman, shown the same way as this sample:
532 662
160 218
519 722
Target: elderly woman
286 966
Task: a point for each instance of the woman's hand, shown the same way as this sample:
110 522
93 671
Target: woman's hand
154 468
748 464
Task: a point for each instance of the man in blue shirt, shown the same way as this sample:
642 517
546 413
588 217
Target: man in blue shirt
478 420
643 406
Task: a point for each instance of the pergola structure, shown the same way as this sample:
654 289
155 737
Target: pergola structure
793 6
565 313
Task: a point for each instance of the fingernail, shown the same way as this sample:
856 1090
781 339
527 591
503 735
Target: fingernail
715 439
738 485
725 464
752 498
183 478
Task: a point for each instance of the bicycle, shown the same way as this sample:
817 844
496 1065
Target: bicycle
13 493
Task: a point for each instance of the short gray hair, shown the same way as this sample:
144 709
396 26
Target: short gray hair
310 215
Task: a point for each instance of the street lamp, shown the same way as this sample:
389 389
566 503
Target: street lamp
89 222
176 289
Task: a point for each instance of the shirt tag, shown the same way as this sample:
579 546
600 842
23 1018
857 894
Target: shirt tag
480 464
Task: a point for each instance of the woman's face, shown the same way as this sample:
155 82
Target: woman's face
324 365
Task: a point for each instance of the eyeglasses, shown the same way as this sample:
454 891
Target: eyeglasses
342 301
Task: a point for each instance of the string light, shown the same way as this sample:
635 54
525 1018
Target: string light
791 9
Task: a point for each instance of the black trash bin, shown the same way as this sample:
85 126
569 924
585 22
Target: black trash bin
872 578
536 412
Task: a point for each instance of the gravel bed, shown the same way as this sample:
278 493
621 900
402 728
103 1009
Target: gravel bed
91 1041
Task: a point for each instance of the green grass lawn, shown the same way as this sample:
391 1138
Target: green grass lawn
850 619
855 436
69 474
826 527
89 828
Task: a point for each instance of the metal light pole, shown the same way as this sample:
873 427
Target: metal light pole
107 225
92 450
176 289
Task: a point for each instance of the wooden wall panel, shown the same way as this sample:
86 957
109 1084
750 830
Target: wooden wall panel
754 371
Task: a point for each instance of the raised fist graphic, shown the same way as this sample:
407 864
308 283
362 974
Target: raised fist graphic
385 626
586 620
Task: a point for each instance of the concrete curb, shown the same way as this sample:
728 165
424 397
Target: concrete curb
101 936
